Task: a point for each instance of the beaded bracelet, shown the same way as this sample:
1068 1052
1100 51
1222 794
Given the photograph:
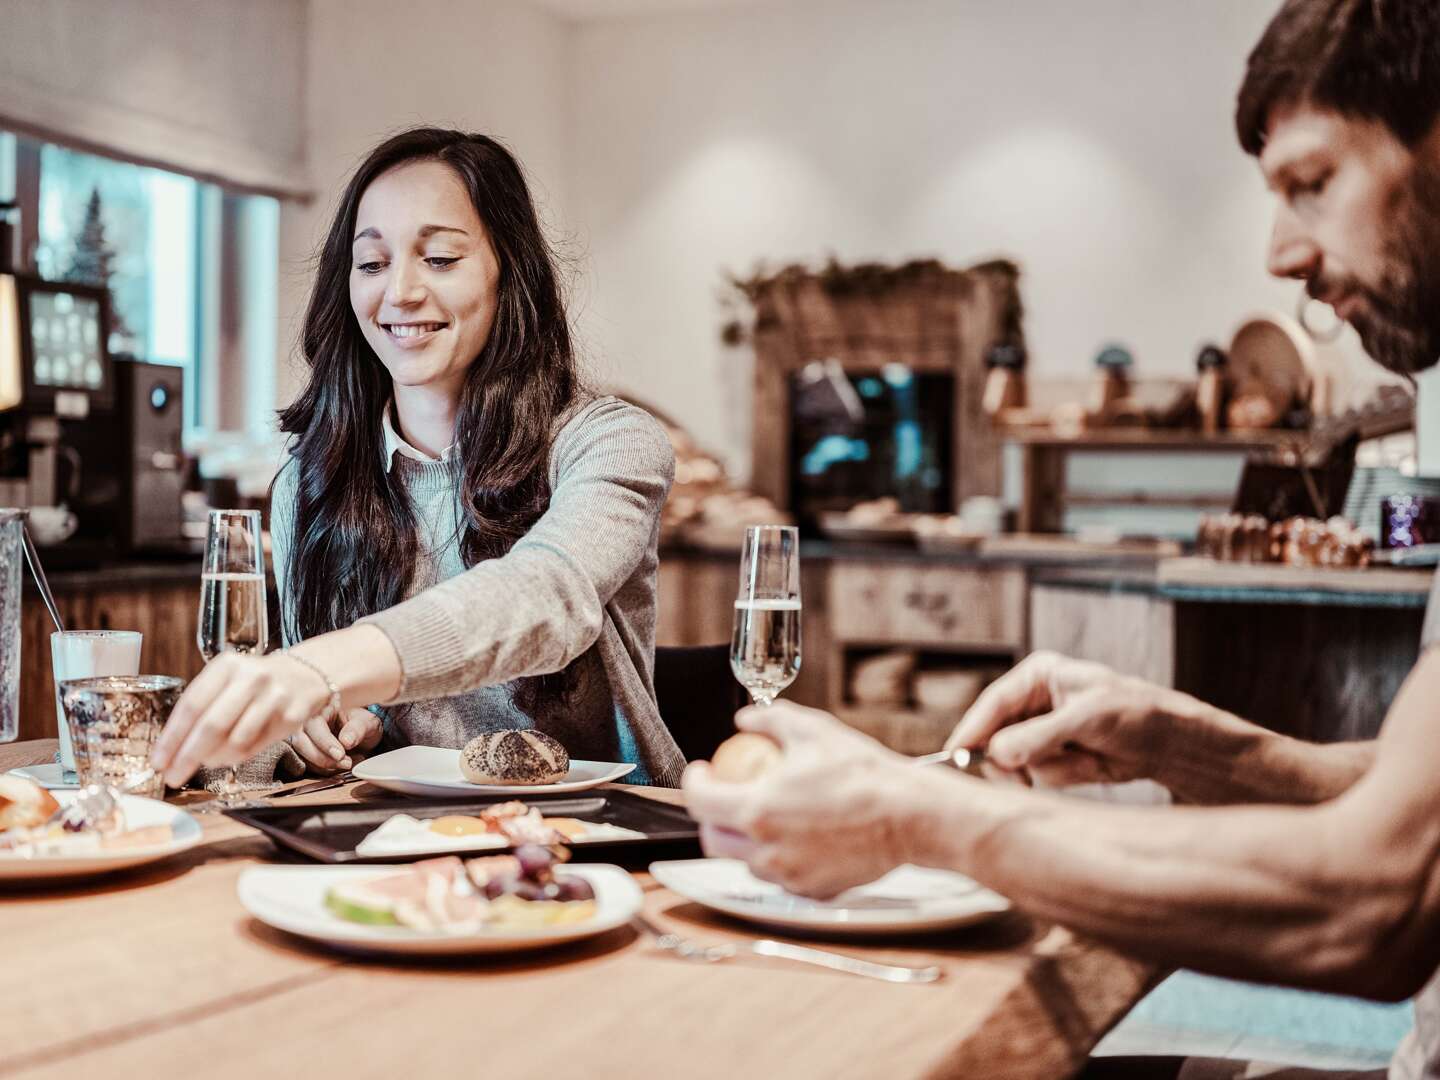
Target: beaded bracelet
332 708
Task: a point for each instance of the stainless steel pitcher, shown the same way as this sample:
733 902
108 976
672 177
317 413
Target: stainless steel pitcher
12 558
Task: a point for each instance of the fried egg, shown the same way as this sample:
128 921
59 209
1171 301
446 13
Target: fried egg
406 835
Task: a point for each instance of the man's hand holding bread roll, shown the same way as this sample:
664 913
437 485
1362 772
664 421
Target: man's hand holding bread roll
807 802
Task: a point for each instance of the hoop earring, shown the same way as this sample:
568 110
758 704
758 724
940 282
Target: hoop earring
1320 339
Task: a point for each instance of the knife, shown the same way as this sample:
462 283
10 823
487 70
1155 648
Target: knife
339 780
967 761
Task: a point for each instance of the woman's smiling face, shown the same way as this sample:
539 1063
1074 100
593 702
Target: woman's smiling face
424 277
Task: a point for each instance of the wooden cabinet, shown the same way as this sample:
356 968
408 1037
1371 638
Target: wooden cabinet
696 598
912 603
948 617
1132 632
165 612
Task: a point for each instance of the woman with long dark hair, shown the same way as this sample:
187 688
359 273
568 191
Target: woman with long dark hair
462 533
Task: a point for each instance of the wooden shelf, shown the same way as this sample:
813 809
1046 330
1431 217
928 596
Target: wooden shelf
1057 546
983 652
1215 500
1045 453
1155 439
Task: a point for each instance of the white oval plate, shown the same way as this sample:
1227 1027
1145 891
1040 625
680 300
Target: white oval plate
185 833
292 898
435 771
909 899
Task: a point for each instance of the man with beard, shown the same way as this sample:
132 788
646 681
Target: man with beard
1312 866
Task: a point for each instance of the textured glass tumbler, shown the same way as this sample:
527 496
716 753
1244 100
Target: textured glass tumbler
86 654
114 723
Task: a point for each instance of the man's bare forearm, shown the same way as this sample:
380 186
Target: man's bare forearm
1304 896
1210 757
1344 895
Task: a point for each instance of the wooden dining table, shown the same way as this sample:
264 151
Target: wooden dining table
160 971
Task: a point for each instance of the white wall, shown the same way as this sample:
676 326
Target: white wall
1091 141
376 66
1427 423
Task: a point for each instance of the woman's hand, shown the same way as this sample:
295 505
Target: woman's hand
331 744
839 809
241 704
1057 722
234 708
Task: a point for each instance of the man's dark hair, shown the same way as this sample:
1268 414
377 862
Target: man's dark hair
1367 59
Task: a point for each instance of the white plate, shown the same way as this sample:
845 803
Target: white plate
292 898
50 775
907 900
434 771
185 833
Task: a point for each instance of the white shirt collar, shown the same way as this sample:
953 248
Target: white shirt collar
395 444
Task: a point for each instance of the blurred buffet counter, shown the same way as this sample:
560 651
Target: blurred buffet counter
1316 653
898 641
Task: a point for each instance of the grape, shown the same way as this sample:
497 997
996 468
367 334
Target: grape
498 886
574 888
534 859
527 890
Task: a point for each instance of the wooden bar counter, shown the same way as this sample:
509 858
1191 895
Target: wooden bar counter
1314 653
160 599
161 972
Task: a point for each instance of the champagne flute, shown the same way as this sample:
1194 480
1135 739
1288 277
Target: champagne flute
232 599
765 645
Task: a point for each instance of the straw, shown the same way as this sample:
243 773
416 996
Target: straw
33 558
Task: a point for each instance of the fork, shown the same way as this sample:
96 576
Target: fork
714 954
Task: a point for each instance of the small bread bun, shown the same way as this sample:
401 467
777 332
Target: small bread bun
24 803
516 756
745 757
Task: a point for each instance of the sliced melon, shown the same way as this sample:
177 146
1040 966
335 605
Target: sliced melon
359 904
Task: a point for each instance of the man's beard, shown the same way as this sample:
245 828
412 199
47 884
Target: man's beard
1399 324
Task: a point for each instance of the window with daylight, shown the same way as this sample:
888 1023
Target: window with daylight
191 268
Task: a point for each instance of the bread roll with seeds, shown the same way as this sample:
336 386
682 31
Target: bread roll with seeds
516 756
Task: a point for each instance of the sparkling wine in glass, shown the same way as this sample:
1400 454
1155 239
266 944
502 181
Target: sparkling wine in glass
765 644
232 597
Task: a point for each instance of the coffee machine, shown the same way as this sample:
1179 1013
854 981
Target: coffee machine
149 420
89 443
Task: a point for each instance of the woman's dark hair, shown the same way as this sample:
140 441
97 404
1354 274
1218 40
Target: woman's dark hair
1368 59
354 548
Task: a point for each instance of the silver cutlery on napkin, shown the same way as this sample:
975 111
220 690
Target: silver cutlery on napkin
780 950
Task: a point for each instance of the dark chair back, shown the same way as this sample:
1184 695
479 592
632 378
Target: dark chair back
698 696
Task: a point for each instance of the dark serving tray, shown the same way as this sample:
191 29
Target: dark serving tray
329 832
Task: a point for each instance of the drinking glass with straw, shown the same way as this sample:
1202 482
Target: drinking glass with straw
76 654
